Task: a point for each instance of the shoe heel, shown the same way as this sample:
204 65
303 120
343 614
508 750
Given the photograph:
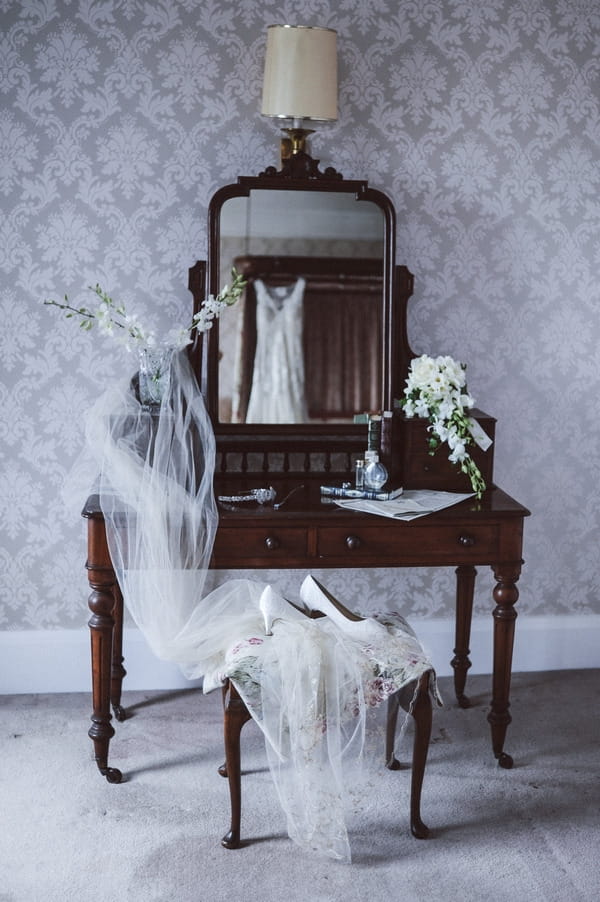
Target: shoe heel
314 595
274 607
267 610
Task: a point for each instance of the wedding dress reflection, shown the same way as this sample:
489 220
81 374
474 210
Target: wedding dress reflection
278 393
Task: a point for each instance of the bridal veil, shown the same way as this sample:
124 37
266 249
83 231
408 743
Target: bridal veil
309 687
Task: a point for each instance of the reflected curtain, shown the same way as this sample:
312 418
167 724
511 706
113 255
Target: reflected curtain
342 352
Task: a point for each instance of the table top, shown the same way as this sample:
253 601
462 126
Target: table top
306 506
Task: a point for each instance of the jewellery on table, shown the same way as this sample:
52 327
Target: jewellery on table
263 496
287 497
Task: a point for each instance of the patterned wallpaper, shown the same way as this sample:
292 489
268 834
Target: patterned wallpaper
480 118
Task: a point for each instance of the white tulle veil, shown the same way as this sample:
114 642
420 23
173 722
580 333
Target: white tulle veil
305 686
155 485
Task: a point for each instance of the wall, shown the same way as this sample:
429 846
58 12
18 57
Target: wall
481 120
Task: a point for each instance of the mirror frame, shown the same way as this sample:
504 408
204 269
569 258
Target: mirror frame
302 174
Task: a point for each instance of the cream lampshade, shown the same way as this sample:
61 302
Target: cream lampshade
300 80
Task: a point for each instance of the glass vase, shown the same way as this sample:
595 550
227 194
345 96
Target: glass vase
154 374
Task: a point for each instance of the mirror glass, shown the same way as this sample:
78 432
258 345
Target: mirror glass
304 344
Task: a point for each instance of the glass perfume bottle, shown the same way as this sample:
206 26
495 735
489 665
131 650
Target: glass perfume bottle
359 474
375 473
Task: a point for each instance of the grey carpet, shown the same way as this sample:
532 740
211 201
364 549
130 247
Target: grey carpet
530 834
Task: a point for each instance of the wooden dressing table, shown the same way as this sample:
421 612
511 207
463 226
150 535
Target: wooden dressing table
306 533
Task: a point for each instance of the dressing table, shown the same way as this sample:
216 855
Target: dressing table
301 210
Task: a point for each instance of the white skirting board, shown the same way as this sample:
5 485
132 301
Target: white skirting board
59 660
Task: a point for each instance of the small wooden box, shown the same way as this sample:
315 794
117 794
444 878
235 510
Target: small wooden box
413 467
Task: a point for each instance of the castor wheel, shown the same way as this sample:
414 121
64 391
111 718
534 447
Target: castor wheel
505 761
112 774
120 713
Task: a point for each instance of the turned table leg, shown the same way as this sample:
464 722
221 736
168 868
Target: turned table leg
102 603
118 672
465 587
505 595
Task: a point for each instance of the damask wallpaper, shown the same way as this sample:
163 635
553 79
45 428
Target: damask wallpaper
480 118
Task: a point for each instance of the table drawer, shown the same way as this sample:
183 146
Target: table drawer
409 543
268 543
415 468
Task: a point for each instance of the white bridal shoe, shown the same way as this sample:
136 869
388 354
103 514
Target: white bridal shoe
315 597
273 607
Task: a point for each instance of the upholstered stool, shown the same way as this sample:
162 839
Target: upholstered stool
415 697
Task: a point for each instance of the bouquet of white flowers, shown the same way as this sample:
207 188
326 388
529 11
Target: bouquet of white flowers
436 389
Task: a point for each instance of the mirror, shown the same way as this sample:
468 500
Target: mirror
304 344
338 237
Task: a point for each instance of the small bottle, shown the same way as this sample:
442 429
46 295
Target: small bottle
385 447
359 473
374 432
375 473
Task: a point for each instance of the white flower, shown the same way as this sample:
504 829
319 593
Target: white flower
458 454
436 389
454 371
456 445
178 338
211 308
422 372
421 407
438 428
113 320
445 408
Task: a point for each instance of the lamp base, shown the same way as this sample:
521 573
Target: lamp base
295 142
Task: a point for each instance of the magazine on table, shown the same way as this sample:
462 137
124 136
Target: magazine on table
411 504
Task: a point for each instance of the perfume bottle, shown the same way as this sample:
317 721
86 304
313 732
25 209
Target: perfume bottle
359 474
375 473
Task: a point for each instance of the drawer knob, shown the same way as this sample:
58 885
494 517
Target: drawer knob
352 542
271 543
466 541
